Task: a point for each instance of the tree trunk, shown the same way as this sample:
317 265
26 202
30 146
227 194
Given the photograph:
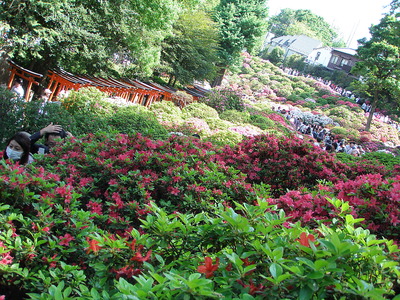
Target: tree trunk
171 77
371 112
218 80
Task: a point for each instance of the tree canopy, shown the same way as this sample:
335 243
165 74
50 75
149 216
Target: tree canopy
303 21
88 36
241 26
132 37
190 53
380 63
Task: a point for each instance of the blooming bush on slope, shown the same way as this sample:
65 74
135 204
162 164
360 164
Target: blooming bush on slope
119 175
371 197
284 163
224 99
78 215
55 245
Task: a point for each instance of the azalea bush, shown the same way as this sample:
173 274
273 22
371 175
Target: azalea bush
127 172
283 162
57 247
108 214
87 100
222 138
371 198
199 110
224 99
387 159
235 116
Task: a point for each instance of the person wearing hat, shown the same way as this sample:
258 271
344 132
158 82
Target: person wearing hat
17 88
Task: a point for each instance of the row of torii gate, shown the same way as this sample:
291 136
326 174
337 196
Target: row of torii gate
134 91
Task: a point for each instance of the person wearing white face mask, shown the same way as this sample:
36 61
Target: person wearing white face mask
18 149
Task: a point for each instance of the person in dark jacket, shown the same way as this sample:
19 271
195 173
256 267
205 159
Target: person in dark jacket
50 133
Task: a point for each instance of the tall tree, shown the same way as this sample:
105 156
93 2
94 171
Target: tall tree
241 25
302 21
88 36
190 53
380 62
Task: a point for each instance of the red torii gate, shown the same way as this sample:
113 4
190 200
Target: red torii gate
28 75
61 81
64 81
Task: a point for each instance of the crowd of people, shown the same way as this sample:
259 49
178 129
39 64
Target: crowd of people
321 136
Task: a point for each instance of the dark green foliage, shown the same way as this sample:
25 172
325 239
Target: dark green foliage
90 37
261 121
11 115
276 55
241 24
295 61
386 159
379 64
190 53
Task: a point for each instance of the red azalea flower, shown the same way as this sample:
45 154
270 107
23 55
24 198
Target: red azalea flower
208 268
139 258
6 259
93 246
64 240
305 239
253 289
127 272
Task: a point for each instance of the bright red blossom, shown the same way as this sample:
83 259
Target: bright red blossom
93 246
208 268
64 240
305 239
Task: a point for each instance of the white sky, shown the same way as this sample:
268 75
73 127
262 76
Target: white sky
351 18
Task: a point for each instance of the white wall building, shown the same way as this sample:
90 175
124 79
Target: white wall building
320 56
295 44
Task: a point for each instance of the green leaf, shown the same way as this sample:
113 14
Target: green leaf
95 294
276 270
305 293
315 275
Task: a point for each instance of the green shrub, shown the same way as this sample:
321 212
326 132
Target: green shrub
339 131
199 110
224 137
348 159
11 115
134 119
165 107
386 159
86 100
235 116
294 97
216 124
262 122
263 106
322 102
38 115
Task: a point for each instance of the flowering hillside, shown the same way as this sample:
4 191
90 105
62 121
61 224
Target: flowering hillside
136 207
